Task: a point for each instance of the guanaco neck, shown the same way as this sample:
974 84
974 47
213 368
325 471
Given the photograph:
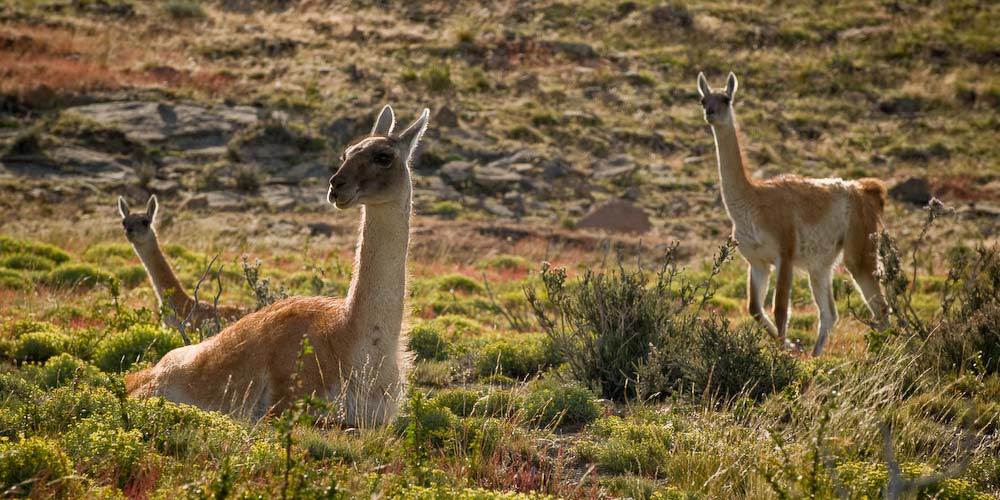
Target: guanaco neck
166 285
736 183
375 300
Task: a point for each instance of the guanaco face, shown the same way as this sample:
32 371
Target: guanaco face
718 106
138 226
373 169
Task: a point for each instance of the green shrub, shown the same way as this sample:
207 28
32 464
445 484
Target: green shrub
50 252
59 370
329 445
21 327
28 459
184 431
632 446
446 209
552 404
608 326
183 9
131 276
104 450
518 359
437 77
867 480
38 346
64 406
498 403
26 262
641 488
454 325
458 282
452 493
615 318
104 252
15 388
504 262
727 362
13 280
427 344
247 179
483 435
426 422
77 276
461 402
118 352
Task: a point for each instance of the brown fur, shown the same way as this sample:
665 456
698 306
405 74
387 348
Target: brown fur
792 221
140 230
357 354
234 369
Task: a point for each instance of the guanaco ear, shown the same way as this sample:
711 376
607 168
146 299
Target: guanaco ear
703 88
731 85
151 206
123 207
411 136
385 122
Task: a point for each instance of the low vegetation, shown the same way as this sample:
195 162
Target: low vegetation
546 364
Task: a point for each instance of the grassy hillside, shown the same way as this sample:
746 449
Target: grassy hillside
524 384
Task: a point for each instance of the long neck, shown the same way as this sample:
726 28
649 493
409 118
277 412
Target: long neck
167 287
736 182
378 287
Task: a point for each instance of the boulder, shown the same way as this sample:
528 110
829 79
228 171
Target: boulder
445 117
618 166
180 126
456 172
320 228
496 208
616 216
496 178
913 190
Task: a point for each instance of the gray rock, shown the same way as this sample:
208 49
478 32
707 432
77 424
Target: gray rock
913 190
78 160
312 169
280 198
521 168
164 186
618 166
616 216
224 201
578 51
496 178
194 202
522 156
515 201
445 117
435 189
456 172
527 83
320 228
181 126
980 210
496 208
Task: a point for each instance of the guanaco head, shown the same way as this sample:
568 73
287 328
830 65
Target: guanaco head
718 105
138 226
375 169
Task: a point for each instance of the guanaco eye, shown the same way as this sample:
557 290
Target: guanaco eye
382 158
